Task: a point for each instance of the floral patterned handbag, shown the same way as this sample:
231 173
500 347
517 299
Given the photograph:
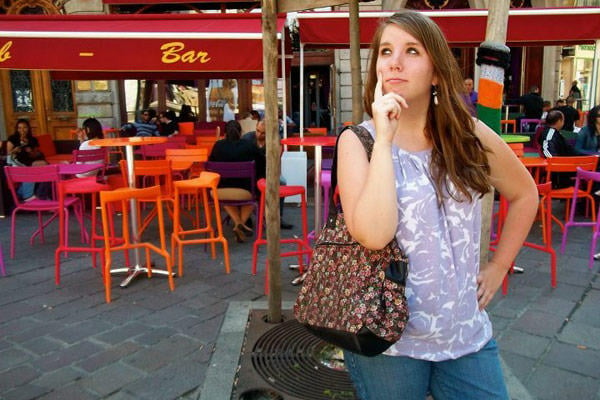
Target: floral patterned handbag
353 297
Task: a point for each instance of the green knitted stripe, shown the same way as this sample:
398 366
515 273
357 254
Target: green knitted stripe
490 116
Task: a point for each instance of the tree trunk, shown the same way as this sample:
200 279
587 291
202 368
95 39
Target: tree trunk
270 51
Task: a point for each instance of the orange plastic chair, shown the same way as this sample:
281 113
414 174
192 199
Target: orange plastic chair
186 128
517 148
204 189
39 174
315 131
505 123
545 209
570 164
78 186
123 197
191 160
151 173
303 247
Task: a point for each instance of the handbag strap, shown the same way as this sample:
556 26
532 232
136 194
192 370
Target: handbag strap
367 141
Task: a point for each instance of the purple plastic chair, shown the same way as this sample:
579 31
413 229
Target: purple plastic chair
582 175
236 170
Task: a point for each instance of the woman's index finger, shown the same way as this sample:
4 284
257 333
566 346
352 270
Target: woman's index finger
378 88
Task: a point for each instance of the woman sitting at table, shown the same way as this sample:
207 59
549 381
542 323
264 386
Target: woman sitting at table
90 129
587 138
233 149
23 151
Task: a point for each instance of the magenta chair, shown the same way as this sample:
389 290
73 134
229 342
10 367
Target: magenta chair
2 268
589 176
39 174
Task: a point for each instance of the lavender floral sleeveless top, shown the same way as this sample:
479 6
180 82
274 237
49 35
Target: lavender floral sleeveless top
442 245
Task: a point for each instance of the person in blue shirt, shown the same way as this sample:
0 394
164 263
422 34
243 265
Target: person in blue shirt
147 125
587 138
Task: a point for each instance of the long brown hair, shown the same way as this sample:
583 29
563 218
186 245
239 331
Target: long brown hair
457 154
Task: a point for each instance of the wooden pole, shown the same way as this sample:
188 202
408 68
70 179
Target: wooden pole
357 109
491 84
270 51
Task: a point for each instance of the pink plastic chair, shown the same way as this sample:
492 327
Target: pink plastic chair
45 173
2 269
582 175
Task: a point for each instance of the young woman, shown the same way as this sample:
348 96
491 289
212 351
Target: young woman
431 163
23 150
90 129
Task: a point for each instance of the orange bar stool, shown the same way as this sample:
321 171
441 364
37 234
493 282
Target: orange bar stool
124 197
79 186
199 190
302 242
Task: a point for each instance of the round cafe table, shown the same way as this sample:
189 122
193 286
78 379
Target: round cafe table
317 142
128 143
515 138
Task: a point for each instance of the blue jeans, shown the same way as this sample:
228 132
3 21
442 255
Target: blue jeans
473 376
26 190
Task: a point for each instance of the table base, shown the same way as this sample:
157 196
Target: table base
136 271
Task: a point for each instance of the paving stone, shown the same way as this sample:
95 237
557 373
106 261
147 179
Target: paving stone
68 356
170 382
123 332
539 323
55 380
27 392
523 343
579 359
587 313
13 357
111 379
42 345
555 305
82 330
548 383
35 331
521 367
581 334
155 335
109 356
14 311
73 391
565 291
16 326
207 331
17 376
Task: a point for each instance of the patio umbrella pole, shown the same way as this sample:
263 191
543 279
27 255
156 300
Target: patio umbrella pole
357 109
493 56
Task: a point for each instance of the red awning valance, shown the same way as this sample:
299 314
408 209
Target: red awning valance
526 27
145 45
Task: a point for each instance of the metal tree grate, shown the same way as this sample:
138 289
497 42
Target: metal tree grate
299 364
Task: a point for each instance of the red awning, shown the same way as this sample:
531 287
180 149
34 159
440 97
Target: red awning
526 27
169 46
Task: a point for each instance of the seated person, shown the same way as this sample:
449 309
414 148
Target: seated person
147 125
588 142
258 139
90 129
232 149
23 150
551 141
168 124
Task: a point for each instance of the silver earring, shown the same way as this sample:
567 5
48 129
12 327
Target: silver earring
434 93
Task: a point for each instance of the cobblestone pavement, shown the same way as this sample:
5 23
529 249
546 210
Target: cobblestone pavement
65 342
